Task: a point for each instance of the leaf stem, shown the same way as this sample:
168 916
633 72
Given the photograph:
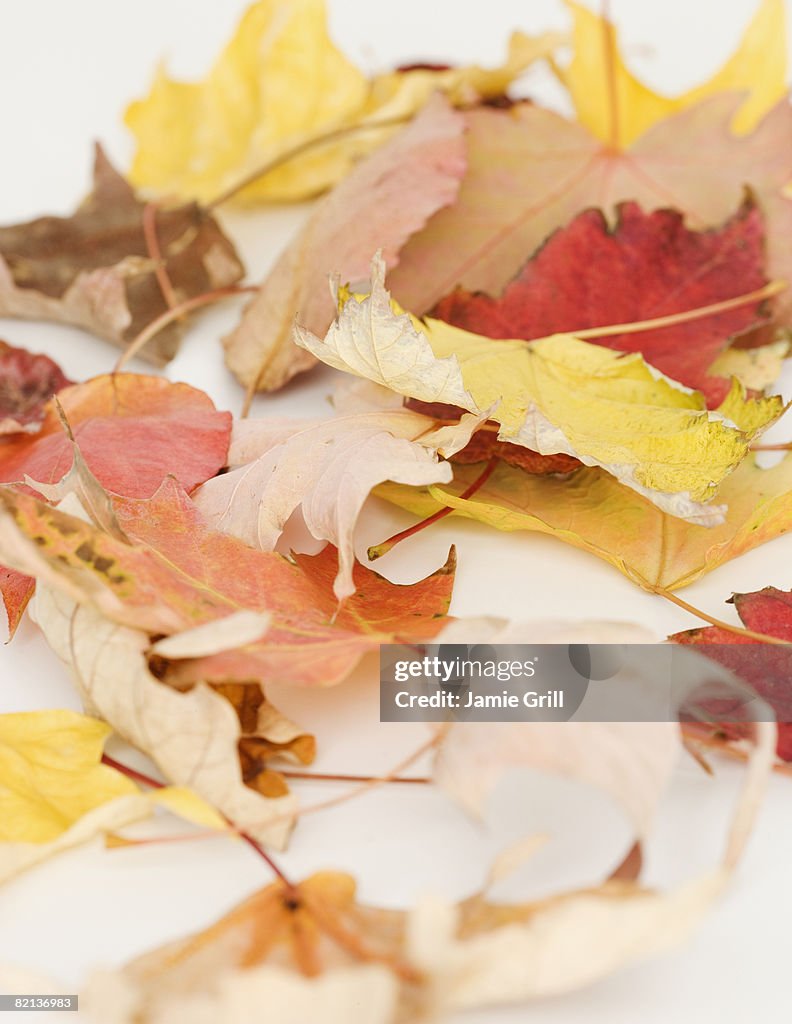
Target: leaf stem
155 252
375 781
787 446
420 780
378 550
147 780
315 142
175 313
769 290
764 638
132 773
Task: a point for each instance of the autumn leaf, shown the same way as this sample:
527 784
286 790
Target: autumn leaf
279 83
556 395
51 774
766 668
327 468
632 762
646 266
618 108
531 171
485 445
95 269
591 511
132 431
55 793
321 955
756 368
766 611
27 382
177 573
216 741
393 192
355 394
310 951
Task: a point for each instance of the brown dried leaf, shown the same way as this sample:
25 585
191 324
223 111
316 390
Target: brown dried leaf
94 269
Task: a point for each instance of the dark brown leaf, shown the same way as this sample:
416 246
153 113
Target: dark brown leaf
95 270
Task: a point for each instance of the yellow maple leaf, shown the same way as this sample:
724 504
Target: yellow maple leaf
51 773
556 395
55 792
278 83
589 510
618 108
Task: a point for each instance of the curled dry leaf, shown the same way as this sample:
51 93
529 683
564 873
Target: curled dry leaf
557 395
55 793
591 511
327 468
629 761
645 267
279 83
310 952
765 667
176 573
132 431
758 69
94 269
393 193
27 382
195 737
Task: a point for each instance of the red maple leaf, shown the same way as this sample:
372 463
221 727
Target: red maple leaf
27 382
648 265
765 667
133 431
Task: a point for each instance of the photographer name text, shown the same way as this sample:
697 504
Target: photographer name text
463 701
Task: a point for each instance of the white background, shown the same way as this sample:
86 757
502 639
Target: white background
67 70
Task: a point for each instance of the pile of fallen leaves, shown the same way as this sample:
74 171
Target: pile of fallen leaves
571 327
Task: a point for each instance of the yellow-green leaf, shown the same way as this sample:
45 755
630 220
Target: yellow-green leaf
556 395
591 511
51 773
55 793
758 68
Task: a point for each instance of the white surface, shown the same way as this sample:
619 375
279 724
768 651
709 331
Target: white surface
67 70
